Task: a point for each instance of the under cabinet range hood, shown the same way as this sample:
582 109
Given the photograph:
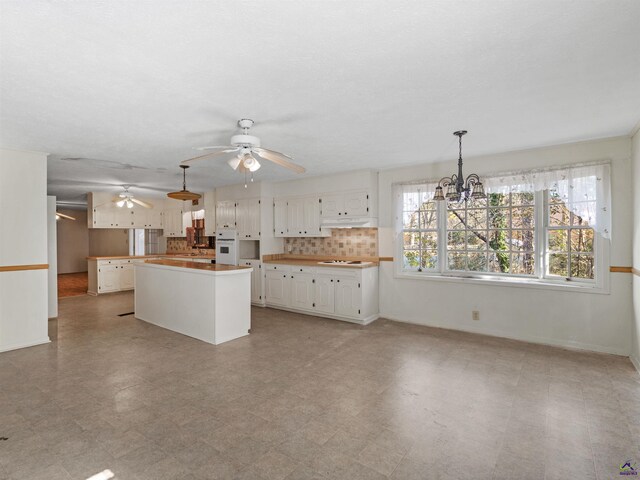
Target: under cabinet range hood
354 222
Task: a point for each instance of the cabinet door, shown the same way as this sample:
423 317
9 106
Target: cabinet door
140 217
311 216
277 288
105 216
324 294
126 276
108 278
256 281
356 204
280 217
225 214
295 217
154 218
301 287
173 223
332 205
348 297
254 218
210 214
123 217
248 218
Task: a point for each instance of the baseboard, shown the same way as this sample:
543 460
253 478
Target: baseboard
16 346
363 321
635 362
524 338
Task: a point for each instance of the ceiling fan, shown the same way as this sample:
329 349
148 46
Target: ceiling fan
62 215
127 199
246 148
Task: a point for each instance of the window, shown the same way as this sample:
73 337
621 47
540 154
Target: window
494 235
543 226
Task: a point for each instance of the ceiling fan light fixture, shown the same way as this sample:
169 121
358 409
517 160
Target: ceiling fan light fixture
184 194
235 162
250 163
129 204
120 203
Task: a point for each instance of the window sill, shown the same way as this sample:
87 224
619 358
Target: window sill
507 282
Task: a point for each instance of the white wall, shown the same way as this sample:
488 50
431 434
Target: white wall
600 322
635 155
73 242
52 255
23 241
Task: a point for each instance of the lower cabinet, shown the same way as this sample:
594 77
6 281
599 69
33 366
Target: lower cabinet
106 276
342 293
257 295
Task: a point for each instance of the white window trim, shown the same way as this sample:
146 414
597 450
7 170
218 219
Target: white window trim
600 285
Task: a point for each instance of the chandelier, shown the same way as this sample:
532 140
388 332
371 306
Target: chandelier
459 188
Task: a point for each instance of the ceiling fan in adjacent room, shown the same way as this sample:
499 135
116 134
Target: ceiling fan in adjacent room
246 149
63 216
126 199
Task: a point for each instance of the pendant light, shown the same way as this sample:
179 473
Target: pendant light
459 188
184 194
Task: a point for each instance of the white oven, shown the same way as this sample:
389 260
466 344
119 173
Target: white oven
227 252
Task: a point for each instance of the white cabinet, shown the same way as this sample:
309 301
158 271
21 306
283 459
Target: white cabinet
126 276
247 218
147 217
173 222
210 214
111 216
348 297
324 294
103 213
108 278
277 287
343 293
225 214
301 216
301 286
280 217
256 280
115 275
345 204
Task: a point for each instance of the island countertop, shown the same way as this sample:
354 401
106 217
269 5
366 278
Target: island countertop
208 256
210 267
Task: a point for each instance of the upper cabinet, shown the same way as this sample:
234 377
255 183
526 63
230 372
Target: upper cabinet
173 221
280 217
247 217
297 217
345 204
103 213
210 214
225 214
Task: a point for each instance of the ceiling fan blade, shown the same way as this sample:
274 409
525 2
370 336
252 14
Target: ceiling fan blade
208 155
216 147
279 159
117 199
68 217
141 203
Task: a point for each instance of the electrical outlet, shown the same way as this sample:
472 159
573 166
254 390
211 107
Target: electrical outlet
475 315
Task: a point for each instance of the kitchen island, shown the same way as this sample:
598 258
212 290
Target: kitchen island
205 301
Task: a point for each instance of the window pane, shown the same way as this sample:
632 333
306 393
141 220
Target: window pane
499 262
411 259
522 217
411 240
429 219
523 263
498 199
558 240
498 240
477 203
429 240
477 219
477 262
499 217
522 240
477 240
558 264
558 215
524 198
456 220
429 260
457 261
456 240
582 266
583 213
411 201
428 203
410 220
581 240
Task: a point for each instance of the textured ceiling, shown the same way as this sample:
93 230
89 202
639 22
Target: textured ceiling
339 85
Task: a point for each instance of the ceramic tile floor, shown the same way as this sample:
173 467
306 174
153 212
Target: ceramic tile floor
307 398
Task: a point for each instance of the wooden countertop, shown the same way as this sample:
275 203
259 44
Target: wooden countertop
161 255
312 261
210 267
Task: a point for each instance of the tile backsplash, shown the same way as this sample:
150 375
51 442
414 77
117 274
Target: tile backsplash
179 245
358 242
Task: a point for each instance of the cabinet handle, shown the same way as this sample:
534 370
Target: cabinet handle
338 281
339 213
284 276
